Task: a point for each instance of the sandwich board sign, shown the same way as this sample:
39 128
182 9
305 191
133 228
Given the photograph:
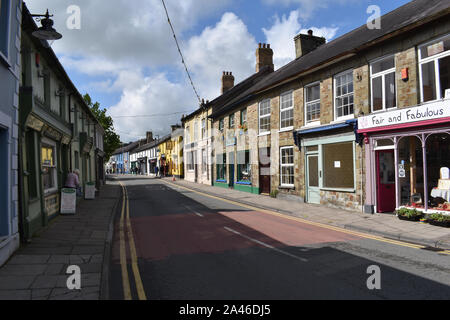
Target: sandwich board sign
68 201
89 192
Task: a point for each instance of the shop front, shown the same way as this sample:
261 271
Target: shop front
408 156
142 166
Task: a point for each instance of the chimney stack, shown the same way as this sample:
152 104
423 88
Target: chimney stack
304 44
264 57
149 136
227 81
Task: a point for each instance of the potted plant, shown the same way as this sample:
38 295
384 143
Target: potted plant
409 214
439 220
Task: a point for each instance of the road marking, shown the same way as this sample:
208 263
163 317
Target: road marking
197 213
134 261
324 226
125 221
123 252
266 245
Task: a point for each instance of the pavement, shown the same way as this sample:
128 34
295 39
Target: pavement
385 225
37 271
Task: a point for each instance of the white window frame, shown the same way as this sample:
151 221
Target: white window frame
196 127
268 115
314 122
244 120
290 165
222 124
232 124
335 87
204 133
204 161
383 74
188 135
434 58
51 144
291 93
5 55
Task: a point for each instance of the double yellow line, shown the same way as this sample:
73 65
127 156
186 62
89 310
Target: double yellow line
125 223
321 225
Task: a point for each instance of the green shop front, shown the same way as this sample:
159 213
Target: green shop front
44 163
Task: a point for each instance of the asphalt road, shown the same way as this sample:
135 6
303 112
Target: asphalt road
193 247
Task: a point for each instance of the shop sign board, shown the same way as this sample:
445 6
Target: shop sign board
68 201
426 112
89 192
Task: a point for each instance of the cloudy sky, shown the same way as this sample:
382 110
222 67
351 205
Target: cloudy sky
125 57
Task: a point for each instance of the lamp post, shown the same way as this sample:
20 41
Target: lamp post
46 32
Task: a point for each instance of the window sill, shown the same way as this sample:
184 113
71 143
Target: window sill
311 125
244 183
4 60
264 134
287 187
339 190
342 119
286 130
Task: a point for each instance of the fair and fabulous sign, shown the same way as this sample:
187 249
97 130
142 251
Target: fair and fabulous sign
426 112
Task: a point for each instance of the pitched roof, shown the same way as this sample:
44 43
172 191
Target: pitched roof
127 148
230 98
404 18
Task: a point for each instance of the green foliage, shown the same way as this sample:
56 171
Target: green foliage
274 194
439 217
111 139
409 213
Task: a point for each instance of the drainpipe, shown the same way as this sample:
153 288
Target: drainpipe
425 171
397 184
70 121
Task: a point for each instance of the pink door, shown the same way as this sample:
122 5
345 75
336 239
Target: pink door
386 181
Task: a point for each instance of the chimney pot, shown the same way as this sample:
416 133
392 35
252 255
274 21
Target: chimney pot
227 81
264 57
304 44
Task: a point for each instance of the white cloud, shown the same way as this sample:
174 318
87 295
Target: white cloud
281 36
228 46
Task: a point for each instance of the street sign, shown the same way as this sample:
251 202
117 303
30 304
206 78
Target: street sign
68 201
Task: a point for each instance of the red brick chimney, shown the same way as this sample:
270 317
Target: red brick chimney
227 81
264 57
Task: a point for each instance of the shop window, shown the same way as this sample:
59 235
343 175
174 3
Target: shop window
49 171
4 171
287 167
434 63
312 103
264 117
287 111
31 165
384 93
190 161
344 102
411 179
338 166
244 170
4 27
438 157
221 167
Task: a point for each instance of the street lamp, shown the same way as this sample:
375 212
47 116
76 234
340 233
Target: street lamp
46 32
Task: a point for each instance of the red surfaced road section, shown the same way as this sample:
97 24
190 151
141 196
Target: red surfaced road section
158 238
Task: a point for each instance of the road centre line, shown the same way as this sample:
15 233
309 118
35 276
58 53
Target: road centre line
265 245
197 213
324 226
123 255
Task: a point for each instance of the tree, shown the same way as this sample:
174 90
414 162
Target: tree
111 139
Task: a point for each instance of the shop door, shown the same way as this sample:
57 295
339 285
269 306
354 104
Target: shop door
385 181
264 170
312 188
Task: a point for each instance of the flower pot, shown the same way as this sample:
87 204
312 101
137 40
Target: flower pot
445 224
414 219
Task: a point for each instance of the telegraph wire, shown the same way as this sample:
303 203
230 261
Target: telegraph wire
181 54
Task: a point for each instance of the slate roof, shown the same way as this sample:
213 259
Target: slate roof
404 18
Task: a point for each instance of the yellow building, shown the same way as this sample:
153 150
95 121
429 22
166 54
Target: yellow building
170 153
